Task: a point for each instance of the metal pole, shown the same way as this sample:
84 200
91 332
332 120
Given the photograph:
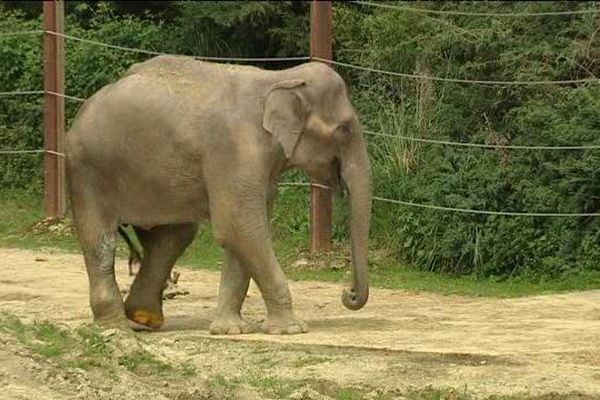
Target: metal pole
54 110
321 26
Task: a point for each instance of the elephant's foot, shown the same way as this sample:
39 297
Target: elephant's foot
108 311
145 312
284 326
119 322
145 320
229 325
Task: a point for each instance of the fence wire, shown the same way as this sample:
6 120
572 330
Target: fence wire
314 184
158 53
21 151
31 92
455 209
476 14
36 151
367 69
65 96
348 65
21 33
484 212
455 80
22 93
484 146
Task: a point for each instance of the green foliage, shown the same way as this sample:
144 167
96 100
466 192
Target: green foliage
247 29
20 117
536 48
50 340
87 69
486 48
88 347
144 363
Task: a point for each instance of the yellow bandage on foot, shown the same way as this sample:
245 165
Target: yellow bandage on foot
147 318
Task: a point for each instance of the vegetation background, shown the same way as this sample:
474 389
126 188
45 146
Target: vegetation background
486 48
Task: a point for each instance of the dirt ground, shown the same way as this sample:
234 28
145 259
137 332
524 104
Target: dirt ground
400 340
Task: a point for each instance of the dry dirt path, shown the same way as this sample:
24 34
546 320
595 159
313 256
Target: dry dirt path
401 339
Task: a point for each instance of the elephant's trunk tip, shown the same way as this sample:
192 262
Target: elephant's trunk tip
353 300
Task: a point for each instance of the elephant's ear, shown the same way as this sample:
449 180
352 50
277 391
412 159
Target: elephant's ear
285 113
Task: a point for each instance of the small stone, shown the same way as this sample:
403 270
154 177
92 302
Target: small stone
300 264
110 332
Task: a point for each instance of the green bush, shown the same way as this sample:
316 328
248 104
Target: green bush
484 48
535 48
87 69
20 116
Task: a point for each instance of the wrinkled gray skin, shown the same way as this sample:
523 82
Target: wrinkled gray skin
197 142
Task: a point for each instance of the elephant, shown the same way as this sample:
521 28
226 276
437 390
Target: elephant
202 142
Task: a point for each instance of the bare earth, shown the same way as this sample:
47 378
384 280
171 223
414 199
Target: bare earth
400 340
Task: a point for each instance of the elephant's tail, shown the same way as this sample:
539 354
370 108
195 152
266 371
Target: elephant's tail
135 256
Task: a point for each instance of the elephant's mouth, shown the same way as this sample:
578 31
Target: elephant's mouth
332 179
338 184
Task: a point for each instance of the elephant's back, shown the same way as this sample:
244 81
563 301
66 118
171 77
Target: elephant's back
190 69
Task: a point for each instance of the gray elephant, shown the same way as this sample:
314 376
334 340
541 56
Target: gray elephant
198 142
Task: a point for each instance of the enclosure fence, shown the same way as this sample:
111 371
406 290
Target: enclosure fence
331 61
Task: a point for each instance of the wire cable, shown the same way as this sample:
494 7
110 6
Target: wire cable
475 14
319 185
158 53
21 33
22 93
462 210
56 153
306 58
31 92
65 96
485 212
455 80
485 146
21 151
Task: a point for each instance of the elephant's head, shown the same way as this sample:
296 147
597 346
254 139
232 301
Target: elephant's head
309 114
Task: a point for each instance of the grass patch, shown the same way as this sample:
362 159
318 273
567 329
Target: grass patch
272 386
144 363
42 338
87 348
19 211
84 347
349 394
188 369
309 361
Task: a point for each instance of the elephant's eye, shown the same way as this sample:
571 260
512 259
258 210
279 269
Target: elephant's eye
343 132
346 130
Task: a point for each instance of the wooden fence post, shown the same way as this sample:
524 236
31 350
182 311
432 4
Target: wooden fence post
54 110
321 201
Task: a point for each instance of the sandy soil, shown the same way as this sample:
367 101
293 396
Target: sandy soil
400 340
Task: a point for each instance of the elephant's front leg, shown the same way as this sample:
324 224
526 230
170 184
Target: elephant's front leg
241 226
275 291
253 247
235 279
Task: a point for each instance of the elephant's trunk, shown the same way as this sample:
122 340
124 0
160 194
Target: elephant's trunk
355 172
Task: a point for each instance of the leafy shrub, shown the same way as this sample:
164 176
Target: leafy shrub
485 48
542 48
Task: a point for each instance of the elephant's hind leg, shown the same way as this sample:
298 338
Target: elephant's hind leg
163 245
235 279
97 230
